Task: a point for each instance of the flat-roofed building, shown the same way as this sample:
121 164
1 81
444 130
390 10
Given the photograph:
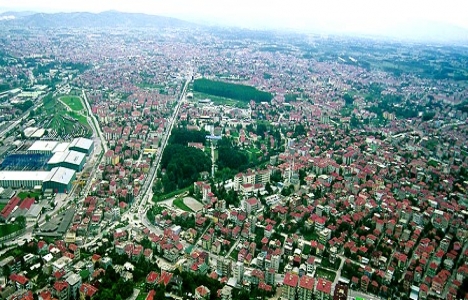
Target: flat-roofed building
33 213
61 147
22 179
83 145
59 179
69 159
290 286
74 280
306 287
45 147
38 134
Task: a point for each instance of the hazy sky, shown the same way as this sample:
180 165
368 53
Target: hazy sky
337 15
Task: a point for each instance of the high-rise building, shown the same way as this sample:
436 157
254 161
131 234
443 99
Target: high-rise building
290 286
270 276
306 287
238 270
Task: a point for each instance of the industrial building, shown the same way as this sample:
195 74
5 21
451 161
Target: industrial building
22 179
61 147
59 179
47 164
44 147
83 145
68 159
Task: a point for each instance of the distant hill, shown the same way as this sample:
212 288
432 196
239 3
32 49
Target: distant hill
429 31
112 19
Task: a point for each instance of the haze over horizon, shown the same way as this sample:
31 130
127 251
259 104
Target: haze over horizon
405 19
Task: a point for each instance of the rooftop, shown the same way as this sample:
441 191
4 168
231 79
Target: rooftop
60 175
61 147
23 175
43 146
82 143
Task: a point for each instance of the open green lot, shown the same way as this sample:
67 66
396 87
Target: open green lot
234 254
329 275
73 102
6 229
23 195
220 100
179 202
63 121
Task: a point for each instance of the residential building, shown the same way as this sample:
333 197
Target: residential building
305 290
290 286
202 292
61 290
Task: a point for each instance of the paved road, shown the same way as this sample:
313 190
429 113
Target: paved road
135 294
95 124
146 190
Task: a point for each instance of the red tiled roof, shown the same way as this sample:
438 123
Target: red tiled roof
165 278
88 290
60 285
26 204
291 279
307 282
152 277
6 211
324 286
202 290
151 295
19 278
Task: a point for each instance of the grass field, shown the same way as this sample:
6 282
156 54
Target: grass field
325 274
73 102
82 119
234 254
179 202
63 121
8 229
24 195
160 198
219 100
2 205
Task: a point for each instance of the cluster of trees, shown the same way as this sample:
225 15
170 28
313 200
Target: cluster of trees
463 106
348 99
404 109
191 281
4 87
113 287
230 90
230 196
183 164
182 136
231 157
153 212
24 106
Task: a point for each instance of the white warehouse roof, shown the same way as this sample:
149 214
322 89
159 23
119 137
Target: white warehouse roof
82 143
75 157
71 157
60 175
23 175
57 158
61 147
43 146
38 134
